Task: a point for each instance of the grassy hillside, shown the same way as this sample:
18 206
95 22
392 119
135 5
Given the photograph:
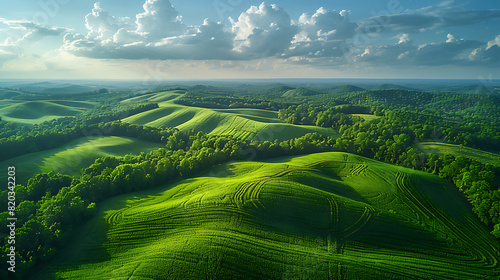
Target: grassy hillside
34 112
321 216
157 96
444 148
241 123
367 117
72 157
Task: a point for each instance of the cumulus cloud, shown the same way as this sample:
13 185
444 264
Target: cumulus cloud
322 34
405 52
30 32
267 31
263 31
487 55
159 20
22 35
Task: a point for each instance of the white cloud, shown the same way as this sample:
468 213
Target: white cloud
159 20
494 42
451 38
263 31
322 34
29 32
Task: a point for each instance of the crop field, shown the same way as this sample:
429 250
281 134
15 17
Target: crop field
456 150
320 216
35 112
241 123
75 155
157 97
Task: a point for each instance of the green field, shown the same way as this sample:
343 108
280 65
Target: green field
367 117
73 156
158 96
320 216
440 149
242 123
35 112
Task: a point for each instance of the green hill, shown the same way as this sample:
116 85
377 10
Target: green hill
241 123
157 96
456 150
346 88
300 92
73 156
34 112
321 216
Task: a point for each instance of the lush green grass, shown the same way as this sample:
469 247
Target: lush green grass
456 150
367 117
73 156
158 96
241 123
321 216
34 112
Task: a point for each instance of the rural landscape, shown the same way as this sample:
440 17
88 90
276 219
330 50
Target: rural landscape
269 181
231 139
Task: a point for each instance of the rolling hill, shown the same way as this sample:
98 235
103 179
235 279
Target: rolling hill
75 155
320 216
34 112
441 149
244 124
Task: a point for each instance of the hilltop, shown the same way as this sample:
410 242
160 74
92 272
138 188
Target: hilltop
320 216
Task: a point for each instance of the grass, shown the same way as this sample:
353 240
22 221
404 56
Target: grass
35 112
158 96
321 216
456 150
367 117
73 156
241 123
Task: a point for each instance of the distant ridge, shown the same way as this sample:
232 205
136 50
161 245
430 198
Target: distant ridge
346 89
392 86
300 92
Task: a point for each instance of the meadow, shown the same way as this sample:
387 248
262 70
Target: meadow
319 216
72 157
36 112
439 148
244 124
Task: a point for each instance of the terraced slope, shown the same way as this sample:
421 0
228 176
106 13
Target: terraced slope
34 112
321 216
73 156
444 148
241 123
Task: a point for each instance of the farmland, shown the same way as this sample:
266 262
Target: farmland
35 112
264 182
320 216
251 124
445 148
75 155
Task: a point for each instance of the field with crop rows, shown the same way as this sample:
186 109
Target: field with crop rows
75 155
243 124
320 216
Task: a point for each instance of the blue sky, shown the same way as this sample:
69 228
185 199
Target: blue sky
194 39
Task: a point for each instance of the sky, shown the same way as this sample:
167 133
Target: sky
226 39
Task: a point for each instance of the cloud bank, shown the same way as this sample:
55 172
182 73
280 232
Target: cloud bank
324 38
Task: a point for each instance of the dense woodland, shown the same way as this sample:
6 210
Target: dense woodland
54 205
